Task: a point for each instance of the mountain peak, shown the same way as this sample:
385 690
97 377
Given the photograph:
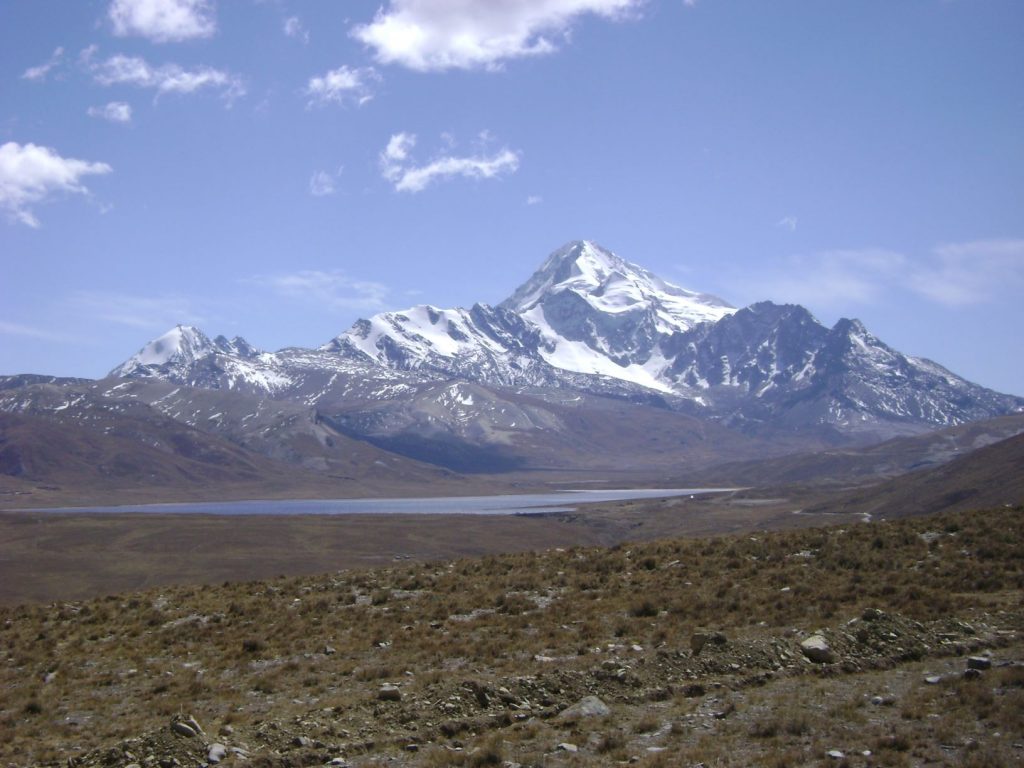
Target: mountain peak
183 344
182 341
610 284
579 262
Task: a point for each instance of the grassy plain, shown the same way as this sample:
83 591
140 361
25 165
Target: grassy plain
693 644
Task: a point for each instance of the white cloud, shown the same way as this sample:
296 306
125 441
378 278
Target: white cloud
293 28
115 112
135 311
321 183
40 72
396 165
787 222
841 277
466 34
341 85
163 21
30 174
167 78
953 274
87 54
534 200
331 289
975 272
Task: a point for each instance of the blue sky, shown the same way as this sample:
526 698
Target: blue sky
278 169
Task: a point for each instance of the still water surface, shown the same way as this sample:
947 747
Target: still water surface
509 504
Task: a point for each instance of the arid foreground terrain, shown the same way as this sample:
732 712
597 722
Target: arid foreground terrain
895 643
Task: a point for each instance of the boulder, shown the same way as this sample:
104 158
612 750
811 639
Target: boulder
389 692
216 753
181 728
817 649
588 706
699 639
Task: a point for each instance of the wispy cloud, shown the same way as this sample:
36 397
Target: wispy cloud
787 223
115 112
322 183
974 272
166 78
293 28
333 290
397 166
39 73
840 277
952 274
30 174
534 200
455 34
31 332
342 85
154 312
162 21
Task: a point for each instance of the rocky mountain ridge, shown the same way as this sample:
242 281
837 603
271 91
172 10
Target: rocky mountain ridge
592 322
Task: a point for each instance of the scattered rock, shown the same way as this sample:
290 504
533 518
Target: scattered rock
329 651
933 679
565 746
182 728
216 753
699 639
588 706
724 712
302 741
972 674
979 662
872 614
389 692
817 649
835 754
479 693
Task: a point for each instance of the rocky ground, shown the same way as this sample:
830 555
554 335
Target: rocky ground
883 644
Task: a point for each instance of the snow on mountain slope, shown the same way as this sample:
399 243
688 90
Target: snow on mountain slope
585 311
588 321
598 314
609 284
482 343
186 355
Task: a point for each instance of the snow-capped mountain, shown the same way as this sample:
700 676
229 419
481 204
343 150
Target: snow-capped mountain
597 313
186 355
776 364
590 321
585 311
482 343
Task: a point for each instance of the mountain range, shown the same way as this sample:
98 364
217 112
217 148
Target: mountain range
593 363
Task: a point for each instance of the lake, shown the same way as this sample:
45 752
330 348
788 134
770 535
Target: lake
507 504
